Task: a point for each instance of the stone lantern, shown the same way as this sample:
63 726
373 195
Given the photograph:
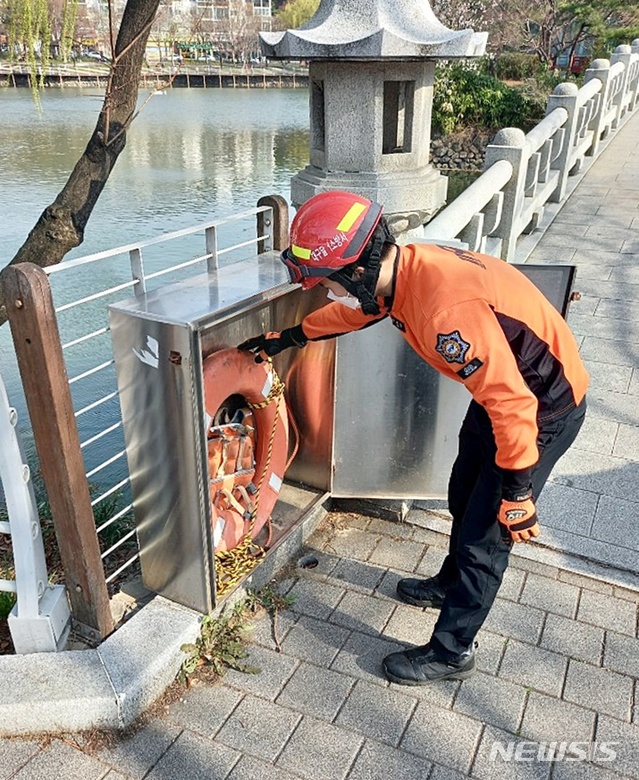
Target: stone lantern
371 76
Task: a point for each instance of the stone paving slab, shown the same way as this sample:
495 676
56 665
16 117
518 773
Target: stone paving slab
321 709
377 714
615 520
362 613
546 719
315 691
534 667
493 701
610 556
380 761
603 474
315 640
136 755
205 710
602 327
318 749
568 508
608 376
61 761
194 757
557 597
489 765
362 655
441 735
14 754
258 728
574 639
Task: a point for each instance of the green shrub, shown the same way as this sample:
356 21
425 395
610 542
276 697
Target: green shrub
515 66
467 96
547 79
7 600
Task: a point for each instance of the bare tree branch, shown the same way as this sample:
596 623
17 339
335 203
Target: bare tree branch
61 225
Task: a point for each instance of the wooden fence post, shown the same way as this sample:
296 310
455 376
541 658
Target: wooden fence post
34 328
280 223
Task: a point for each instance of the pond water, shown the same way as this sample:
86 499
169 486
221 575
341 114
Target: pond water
192 156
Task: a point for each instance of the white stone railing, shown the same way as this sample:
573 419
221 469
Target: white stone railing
524 172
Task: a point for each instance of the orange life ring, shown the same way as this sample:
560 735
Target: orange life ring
232 372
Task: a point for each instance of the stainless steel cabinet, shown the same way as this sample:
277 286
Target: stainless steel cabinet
373 419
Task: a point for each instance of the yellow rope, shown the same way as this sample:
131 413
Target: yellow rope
232 565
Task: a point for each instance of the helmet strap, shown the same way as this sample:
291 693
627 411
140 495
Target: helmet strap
345 277
364 288
366 298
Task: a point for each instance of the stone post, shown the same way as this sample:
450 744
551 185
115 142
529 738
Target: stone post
635 84
510 144
599 69
564 96
622 54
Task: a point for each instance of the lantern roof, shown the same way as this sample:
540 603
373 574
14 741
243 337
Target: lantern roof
373 30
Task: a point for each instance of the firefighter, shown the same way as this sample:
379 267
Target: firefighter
481 322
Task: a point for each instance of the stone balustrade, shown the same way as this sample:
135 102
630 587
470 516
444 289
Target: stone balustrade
497 211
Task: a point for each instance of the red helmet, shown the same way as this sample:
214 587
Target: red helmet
329 232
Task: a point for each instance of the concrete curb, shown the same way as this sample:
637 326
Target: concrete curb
104 688
111 686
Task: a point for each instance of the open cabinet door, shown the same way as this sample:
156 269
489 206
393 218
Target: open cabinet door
396 418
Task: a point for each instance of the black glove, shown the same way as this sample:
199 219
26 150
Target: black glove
273 343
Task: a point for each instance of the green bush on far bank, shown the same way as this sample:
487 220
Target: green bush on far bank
515 66
473 97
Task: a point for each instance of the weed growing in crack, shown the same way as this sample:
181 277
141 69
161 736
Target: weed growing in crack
223 641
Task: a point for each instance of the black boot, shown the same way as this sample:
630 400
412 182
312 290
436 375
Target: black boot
422 665
422 593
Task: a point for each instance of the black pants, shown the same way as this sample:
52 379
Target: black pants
479 546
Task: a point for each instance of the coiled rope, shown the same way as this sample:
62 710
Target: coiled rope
232 565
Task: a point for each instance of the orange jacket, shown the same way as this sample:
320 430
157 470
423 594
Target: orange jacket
479 321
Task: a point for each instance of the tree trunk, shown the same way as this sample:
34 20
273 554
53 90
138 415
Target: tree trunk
573 47
61 225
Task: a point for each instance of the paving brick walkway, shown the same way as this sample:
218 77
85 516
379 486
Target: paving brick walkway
591 504
559 653
558 662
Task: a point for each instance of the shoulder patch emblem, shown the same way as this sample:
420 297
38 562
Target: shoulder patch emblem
452 347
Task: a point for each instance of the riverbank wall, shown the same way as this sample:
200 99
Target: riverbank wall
463 151
150 80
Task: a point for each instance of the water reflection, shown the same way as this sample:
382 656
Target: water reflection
191 156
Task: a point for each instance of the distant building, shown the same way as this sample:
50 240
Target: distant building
190 29
217 10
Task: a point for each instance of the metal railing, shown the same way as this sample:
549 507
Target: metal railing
103 277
